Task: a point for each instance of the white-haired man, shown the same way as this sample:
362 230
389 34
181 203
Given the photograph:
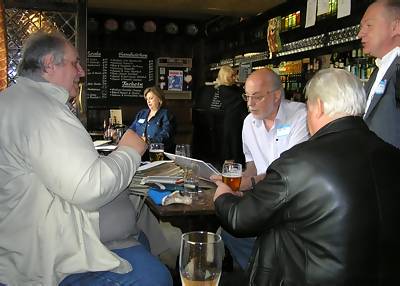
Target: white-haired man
327 211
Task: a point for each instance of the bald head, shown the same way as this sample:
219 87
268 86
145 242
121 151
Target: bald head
264 93
265 77
380 27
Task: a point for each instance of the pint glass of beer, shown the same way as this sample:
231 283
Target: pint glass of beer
232 175
156 152
200 258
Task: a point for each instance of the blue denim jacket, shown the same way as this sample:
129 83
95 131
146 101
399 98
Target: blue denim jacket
160 129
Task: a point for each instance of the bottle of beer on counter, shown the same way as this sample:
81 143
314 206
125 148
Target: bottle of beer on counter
105 129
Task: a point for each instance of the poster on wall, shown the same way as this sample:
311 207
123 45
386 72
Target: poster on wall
174 76
175 80
118 74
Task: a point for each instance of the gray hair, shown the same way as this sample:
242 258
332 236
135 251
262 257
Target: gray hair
341 92
36 47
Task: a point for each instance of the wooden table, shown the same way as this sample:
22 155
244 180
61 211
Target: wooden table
200 215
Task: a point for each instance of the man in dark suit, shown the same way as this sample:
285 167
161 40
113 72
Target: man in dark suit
327 211
380 37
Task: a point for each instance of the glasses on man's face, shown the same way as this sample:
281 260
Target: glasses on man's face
75 63
256 98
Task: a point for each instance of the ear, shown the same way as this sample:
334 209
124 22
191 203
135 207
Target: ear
319 108
48 62
396 27
277 95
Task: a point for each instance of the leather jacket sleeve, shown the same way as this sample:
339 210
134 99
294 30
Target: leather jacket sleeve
257 210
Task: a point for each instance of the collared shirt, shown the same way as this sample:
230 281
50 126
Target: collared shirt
383 65
52 182
262 146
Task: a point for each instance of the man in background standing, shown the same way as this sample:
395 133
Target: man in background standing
380 37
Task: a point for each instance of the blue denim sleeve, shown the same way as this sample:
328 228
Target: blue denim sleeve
167 128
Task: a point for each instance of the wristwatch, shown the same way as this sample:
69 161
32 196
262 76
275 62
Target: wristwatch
253 183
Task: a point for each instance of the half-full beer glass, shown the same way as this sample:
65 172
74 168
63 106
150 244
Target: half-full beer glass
200 259
156 152
232 175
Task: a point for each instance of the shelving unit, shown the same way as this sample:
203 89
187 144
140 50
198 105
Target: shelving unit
312 46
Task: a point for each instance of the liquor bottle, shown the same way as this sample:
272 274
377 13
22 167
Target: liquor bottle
340 62
298 20
105 127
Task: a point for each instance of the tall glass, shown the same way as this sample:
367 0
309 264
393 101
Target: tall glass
156 152
191 179
232 175
183 150
200 259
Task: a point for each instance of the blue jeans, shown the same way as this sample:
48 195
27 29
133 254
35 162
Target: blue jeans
239 248
147 271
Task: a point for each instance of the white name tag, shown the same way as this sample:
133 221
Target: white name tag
283 130
380 89
141 120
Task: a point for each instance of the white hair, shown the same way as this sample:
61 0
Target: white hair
341 92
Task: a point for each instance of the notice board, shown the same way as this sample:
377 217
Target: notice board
117 76
174 77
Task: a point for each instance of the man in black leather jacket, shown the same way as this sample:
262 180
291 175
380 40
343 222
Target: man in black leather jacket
327 211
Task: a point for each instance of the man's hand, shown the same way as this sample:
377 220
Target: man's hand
131 139
222 188
245 183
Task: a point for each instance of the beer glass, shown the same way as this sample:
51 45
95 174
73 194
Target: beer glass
182 150
191 180
200 259
232 175
156 152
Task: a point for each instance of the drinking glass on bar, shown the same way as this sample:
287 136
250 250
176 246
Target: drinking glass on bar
183 150
191 180
156 152
200 259
232 175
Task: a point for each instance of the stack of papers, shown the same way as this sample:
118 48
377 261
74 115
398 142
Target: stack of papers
104 145
100 142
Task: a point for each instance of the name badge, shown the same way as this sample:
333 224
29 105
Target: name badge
380 89
283 130
141 120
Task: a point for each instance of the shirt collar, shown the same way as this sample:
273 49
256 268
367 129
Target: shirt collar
388 58
57 92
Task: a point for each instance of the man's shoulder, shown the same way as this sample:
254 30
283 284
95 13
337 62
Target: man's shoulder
294 106
293 110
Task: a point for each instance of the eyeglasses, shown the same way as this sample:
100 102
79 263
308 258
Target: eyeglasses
257 98
75 63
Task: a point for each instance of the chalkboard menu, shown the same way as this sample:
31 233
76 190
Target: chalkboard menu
116 75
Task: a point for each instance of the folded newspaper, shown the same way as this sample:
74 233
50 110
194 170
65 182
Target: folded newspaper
162 180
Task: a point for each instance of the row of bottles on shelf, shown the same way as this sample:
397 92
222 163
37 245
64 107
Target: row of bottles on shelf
354 61
332 10
290 21
295 74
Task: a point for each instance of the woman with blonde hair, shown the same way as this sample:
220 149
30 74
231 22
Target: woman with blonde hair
235 111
